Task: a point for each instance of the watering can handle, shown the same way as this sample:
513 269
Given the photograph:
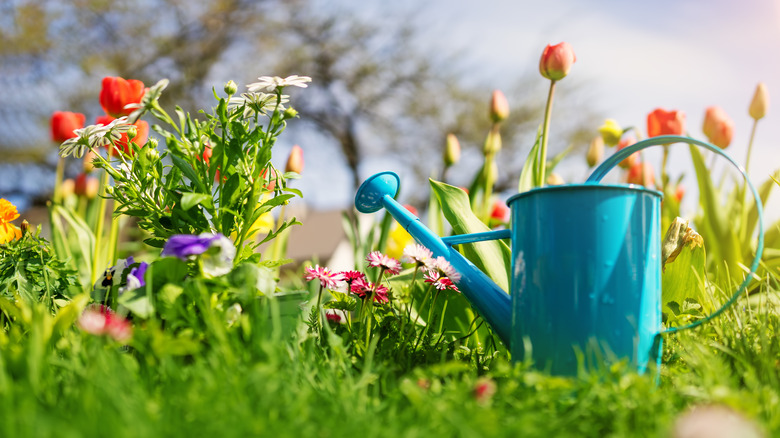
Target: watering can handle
622 154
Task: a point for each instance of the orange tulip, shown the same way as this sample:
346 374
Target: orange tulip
116 93
63 123
718 127
633 158
662 122
295 160
641 174
556 61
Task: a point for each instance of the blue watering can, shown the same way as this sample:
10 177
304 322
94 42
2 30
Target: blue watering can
586 265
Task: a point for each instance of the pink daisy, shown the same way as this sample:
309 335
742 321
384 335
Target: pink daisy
439 282
378 260
99 320
363 289
333 317
416 254
328 279
444 267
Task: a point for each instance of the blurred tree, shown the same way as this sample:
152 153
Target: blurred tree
374 92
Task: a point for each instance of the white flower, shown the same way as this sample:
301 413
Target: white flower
148 101
94 136
272 83
257 103
218 259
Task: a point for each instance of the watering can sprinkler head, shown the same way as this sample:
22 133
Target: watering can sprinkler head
371 193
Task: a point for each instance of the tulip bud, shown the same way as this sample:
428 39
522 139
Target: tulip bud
63 123
679 192
88 166
499 107
492 142
80 184
556 61
451 150
66 189
760 103
611 132
230 88
92 188
554 179
595 151
718 127
295 160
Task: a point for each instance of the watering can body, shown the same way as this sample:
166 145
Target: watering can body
586 267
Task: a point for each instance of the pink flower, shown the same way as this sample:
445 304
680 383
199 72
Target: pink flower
417 254
99 320
333 317
484 389
363 289
378 260
443 267
328 280
439 282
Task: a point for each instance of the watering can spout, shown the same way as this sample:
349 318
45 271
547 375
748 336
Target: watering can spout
492 302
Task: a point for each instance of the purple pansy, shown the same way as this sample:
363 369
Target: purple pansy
185 245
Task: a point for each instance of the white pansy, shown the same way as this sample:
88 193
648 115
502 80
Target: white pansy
218 259
271 83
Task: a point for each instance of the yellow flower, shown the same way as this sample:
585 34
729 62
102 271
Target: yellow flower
8 231
611 132
397 240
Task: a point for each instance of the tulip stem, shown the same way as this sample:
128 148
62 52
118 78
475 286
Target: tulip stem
545 131
58 181
99 228
750 145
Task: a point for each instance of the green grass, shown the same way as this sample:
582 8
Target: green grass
254 380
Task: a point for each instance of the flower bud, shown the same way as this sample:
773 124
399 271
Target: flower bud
554 179
662 122
295 160
499 107
66 189
290 113
718 127
610 132
556 61
80 184
451 150
492 142
151 154
633 158
63 123
230 88
760 103
116 93
595 151
25 227
679 192
88 166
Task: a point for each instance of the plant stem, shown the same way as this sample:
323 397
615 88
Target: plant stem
58 181
99 228
750 145
545 132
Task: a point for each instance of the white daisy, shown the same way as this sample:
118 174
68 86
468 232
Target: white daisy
272 83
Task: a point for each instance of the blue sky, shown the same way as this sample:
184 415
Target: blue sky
634 56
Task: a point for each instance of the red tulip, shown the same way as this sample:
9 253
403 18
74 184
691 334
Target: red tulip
718 127
662 122
557 61
63 123
679 192
295 160
118 92
141 135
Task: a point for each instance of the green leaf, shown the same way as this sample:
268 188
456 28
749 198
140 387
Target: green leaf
189 200
528 176
168 270
84 236
684 277
492 257
138 302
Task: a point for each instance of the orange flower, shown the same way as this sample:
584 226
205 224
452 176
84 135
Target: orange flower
718 127
117 92
633 158
8 213
556 61
141 135
662 122
63 123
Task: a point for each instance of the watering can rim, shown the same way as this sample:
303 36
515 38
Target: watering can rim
584 186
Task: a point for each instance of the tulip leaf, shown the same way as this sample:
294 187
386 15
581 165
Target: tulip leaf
492 257
683 279
530 171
